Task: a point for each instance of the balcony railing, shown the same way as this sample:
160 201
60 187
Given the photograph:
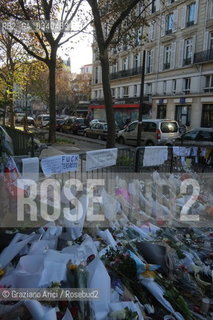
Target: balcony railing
166 65
190 23
124 100
168 31
203 56
187 61
125 73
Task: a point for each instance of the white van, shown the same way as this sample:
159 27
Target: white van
42 120
154 132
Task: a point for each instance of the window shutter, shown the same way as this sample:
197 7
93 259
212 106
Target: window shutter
163 25
175 23
152 60
193 47
180 49
205 41
196 11
183 20
161 58
173 55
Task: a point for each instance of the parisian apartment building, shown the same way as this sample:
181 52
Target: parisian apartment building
178 68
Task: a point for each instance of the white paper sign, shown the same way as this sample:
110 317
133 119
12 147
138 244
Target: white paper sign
30 168
154 156
101 158
60 164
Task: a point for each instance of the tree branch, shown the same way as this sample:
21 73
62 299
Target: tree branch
122 16
77 32
45 60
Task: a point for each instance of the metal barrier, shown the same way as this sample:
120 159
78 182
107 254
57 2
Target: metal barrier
23 143
194 160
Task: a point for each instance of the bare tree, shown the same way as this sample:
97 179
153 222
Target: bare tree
43 44
112 20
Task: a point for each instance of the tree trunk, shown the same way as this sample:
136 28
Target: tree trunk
108 99
12 118
52 97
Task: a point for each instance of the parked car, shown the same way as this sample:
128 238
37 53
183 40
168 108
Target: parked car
96 121
154 132
59 124
30 121
195 137
66 126
19 116
97 130
78 125
42 120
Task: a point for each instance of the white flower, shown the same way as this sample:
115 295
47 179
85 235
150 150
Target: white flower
118 315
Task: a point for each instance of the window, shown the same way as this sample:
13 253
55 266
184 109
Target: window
148 61
161 111
183 114
132 126
124 64
135 90
96 94
125 92
209 83
153 9
191 135
210 8
190 14
113 92
118 92
167 57
149 126
187 51
169 23
205 136
210 44
148 88
169 127
207 115
114 68
151 35
136 61
96 74
174 86
138 34
186 85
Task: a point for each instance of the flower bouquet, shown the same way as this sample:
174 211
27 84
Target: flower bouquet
124 314
77 277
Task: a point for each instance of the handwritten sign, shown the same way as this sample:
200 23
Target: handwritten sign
101 158
30 168
59 164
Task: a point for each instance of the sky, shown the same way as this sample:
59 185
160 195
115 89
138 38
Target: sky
81 55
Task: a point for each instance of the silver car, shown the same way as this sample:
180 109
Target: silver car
154 132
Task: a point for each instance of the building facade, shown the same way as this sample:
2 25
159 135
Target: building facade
178 69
